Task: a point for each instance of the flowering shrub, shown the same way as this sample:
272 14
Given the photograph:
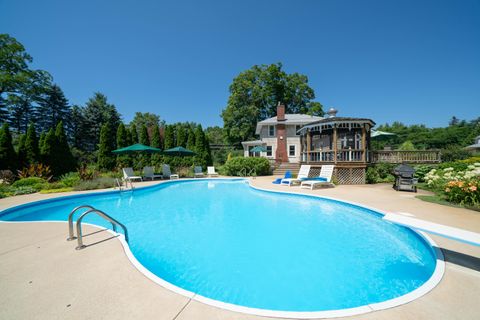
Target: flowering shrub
457 186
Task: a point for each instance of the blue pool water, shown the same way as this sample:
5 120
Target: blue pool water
226 241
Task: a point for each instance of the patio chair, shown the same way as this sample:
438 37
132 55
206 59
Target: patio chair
302 174
129 175
288 175
150 174
198 172
167 173
323 179
211 172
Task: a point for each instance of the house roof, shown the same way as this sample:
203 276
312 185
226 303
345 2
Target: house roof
330 121
253 143
290 119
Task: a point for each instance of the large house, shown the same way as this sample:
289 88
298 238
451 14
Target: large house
279 137
289 140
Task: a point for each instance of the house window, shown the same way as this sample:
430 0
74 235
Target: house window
291 150
297 127
269 151
271 131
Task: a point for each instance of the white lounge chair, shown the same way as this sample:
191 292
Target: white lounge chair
324 178
129 175
302 174
198 172
211 172
167 173
150 174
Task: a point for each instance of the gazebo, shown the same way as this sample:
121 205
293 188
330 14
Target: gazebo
342 141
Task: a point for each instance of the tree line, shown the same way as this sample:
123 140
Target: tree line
38 125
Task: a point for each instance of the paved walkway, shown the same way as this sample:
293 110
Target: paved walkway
43 277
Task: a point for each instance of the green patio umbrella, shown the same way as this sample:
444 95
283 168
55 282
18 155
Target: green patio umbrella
137 148
381 134
179 151
259 149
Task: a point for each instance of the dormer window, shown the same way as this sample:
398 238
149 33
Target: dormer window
271 131
297 127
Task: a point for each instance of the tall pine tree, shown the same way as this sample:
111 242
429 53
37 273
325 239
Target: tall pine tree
191 139
144 135
96 113
22 152
64 161
53 108
181 136
169 140
133 134
123 137
106 159
8 157
122 140
48 149
32 146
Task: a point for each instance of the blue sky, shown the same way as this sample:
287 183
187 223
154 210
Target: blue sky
412 61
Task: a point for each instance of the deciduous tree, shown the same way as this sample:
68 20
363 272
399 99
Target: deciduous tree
255 94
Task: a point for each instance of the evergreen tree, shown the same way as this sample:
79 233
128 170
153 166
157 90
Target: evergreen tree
156 140
144 135
8 157
53 108
191 139
123 137
208 152
48 149
106 159
122 140
41 142
181 136
133 134
21 112
201 151
98 112
63 158
32 145
22 152
77 129
169 140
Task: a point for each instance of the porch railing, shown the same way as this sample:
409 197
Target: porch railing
385 156
350 155
399 156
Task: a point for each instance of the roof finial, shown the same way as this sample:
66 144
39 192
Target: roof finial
332 112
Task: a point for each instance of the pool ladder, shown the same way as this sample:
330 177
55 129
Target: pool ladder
119 185
100 213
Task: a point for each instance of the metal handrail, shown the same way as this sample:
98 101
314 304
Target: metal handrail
243 172
71 236
117 181
128 181
102 214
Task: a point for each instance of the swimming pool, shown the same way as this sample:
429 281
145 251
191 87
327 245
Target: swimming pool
225 243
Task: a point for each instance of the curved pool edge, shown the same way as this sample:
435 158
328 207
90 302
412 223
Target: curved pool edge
429 285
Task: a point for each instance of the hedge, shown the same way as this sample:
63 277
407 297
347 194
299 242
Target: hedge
235 166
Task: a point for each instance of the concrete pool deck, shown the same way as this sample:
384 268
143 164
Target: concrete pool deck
42 276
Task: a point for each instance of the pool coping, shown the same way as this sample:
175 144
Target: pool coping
431 283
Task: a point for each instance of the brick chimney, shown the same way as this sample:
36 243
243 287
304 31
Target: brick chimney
280 112
281 153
